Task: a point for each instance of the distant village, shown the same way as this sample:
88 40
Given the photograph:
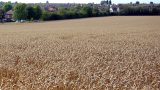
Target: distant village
54 7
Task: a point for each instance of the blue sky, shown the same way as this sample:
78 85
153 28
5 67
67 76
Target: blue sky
80 1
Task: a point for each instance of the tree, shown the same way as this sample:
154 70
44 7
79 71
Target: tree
31 12
1 15
71 14
46 16
155 11
137 2
7 7
95 12
110 2
38 12
151 3
67 13
88 10
62 12
20 12
85 11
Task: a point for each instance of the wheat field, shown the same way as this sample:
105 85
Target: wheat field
108 53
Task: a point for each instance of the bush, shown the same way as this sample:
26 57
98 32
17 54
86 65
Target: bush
45 16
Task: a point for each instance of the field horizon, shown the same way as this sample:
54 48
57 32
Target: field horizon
104 53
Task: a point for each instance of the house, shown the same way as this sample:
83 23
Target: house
9 16
51 9
114 9
106 3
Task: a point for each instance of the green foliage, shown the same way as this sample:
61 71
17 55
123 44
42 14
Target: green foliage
20 12
62 12
7 6
86 11
95 12
139 10
38 12
23 12
46 16
156 11
1 15
71 13
67 13
31 12
137 2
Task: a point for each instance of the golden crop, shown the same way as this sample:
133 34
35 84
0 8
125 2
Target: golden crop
109 53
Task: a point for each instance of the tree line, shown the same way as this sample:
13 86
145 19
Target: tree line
27 12
139 10
74 12
24 12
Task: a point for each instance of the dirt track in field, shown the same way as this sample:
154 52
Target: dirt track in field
114 53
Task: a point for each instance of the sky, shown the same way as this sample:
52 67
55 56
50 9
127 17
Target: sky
81 1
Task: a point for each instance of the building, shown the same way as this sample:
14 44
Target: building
9 16
114 8
51 8
106 2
